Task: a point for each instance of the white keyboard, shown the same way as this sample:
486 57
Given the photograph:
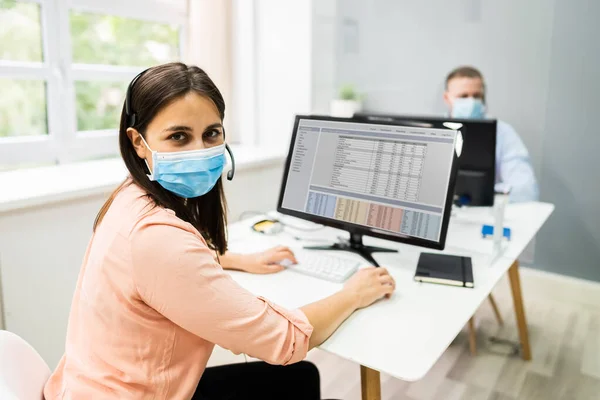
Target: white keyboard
323 266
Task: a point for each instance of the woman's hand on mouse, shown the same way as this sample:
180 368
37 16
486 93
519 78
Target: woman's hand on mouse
370 284
364 288
265 262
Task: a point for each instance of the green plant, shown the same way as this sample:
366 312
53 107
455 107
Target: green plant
347 92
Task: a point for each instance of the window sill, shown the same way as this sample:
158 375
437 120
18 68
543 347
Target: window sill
40 186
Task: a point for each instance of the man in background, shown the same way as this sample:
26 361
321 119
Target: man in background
465 98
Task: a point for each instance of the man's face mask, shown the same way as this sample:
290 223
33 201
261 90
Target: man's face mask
468 108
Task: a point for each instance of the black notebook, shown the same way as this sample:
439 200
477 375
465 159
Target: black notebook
445 270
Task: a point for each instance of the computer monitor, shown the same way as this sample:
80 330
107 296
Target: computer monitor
379 179
477 164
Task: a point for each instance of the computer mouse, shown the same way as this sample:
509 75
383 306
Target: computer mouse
286 262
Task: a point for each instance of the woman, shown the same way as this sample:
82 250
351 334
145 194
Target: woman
152 298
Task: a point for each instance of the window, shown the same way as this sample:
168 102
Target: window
23 101
65 67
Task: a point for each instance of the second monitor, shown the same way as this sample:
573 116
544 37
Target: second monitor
378 179
477 164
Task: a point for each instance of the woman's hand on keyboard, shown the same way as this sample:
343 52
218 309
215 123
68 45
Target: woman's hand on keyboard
267 262
370 284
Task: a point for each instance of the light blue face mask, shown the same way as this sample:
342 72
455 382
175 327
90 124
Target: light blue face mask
187 174
468 107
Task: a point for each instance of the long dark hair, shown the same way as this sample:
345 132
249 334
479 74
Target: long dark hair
155 89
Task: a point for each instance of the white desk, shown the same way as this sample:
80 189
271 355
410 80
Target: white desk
524 219
405 335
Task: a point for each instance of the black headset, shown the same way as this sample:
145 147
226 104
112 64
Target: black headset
131 119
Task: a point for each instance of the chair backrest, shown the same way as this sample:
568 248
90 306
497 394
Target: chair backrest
23 372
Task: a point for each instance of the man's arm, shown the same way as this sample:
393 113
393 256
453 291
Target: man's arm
515 165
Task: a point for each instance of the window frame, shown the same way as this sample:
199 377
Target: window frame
63 142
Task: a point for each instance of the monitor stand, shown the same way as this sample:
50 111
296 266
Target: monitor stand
355 245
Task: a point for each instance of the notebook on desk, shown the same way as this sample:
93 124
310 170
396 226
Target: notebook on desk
445 270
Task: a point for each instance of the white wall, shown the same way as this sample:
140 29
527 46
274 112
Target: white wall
40 255
323 65
283 55
540 59
42 248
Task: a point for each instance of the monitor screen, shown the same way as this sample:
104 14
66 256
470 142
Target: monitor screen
477 164
380 179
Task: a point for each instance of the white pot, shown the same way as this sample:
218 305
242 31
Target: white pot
344 108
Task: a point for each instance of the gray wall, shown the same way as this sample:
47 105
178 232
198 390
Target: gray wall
541 61
571 143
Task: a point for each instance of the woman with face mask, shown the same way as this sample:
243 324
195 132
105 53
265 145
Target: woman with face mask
152 298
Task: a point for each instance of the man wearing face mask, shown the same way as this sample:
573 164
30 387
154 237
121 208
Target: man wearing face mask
465 98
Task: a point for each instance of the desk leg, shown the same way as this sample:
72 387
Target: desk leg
515 286
370 384
472 337
496 311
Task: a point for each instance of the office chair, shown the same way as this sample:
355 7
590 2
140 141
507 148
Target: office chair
23 372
